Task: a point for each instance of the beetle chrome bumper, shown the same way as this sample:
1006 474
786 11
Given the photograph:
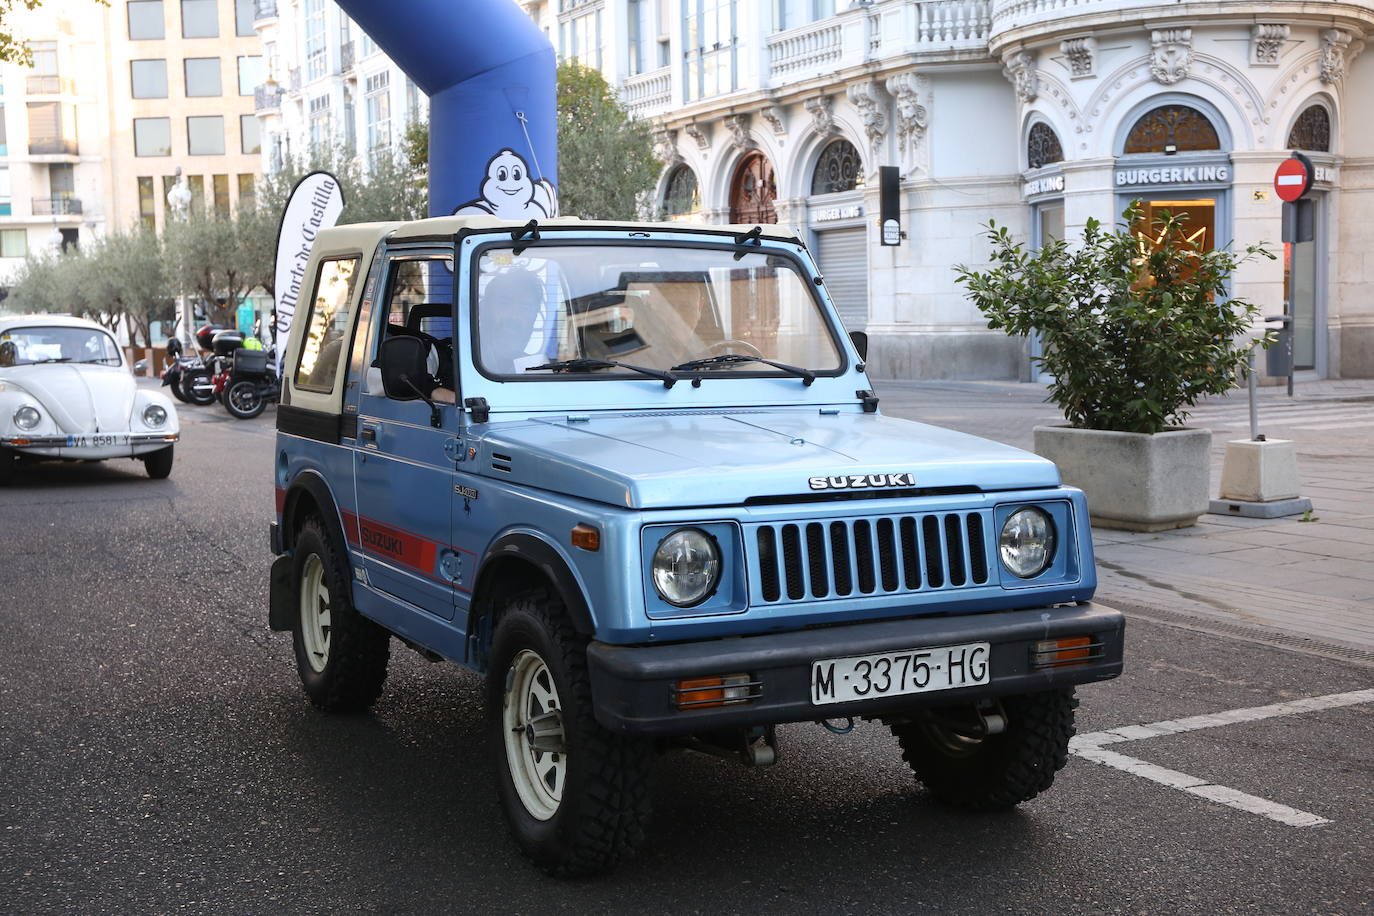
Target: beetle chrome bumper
634 688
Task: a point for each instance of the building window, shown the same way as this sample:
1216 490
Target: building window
794 13
52 128
753 191
250 135
580 39
147 203
378 100
14 243
838 169
196 185
245 11
219 184
412 100
1172 129
205 135
1312 130
5 207
4 134
640 35
682 196
44 57
1042 146
316 54
319 122
250 74
708 39
145 20
202 77
149 78
199 19
152 136
248 195
61 184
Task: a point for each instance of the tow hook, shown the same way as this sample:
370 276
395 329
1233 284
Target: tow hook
753 747
987 718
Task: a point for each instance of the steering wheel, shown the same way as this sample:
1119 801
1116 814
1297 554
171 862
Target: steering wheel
722 347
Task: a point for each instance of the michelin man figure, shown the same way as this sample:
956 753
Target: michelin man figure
509 192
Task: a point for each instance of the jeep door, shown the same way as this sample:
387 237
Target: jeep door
403 476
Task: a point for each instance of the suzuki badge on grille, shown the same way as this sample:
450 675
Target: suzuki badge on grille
862 481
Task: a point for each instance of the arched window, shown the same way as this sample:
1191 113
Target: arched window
1312 130
839 169
753 191
1178 126
1042 146
682 197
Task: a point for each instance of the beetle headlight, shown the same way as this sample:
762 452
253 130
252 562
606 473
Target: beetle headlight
27 417
686 567
154 415
1026 543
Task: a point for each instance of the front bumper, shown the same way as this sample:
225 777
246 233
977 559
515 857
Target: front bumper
129 445
633 687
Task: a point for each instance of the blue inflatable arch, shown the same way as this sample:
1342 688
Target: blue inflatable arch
490 74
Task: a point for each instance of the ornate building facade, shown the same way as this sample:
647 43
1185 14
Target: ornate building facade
1036 113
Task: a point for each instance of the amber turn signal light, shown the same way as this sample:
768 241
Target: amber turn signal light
586 537
719 690
1070 650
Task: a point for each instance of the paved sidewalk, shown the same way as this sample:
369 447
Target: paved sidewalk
1306 583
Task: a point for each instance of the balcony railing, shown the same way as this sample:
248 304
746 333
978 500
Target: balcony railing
56 206
267 9
267 98
347 57
49 85
648 94
811 47
885 28
52 146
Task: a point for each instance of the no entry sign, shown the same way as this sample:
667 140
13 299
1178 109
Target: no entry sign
1293 178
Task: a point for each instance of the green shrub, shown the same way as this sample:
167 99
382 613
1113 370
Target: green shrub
1132 336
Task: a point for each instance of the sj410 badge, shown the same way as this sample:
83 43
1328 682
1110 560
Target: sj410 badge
862 481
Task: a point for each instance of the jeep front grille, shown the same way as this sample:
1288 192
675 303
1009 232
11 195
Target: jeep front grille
797 561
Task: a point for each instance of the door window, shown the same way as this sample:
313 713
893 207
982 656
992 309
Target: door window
331 302
419 303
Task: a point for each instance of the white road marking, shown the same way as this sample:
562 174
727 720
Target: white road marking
1092 747
1334 425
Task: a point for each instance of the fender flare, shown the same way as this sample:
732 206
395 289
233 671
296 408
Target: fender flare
281 608
542 556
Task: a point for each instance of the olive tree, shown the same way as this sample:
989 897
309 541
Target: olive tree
606 161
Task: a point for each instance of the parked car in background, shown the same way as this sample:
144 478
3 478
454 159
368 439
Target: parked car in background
67 393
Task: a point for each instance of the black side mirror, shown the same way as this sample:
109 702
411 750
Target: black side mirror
403 364
860 339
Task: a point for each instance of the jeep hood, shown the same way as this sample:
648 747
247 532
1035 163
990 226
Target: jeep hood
720 459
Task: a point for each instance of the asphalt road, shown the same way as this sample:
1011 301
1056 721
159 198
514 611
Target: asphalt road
157 755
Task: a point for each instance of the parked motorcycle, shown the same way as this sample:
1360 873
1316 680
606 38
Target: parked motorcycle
171 373
198 375
252 383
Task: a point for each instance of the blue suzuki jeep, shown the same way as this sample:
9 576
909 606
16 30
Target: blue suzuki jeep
636 476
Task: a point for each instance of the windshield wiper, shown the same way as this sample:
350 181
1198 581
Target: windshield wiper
99 359
729 359
585 364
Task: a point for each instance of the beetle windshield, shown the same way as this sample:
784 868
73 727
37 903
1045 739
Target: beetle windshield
648 306
57 344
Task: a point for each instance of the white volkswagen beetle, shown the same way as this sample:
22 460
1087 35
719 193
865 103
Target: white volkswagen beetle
66 392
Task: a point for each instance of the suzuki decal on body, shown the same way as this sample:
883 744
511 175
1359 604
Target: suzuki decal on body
862 481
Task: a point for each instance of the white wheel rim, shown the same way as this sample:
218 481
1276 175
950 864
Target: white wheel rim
532 720
315 620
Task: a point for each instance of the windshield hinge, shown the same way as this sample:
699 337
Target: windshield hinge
530 229
478 407
870 400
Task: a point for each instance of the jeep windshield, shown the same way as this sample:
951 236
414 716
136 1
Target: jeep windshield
544 312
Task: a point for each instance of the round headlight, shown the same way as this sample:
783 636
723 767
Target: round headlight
27 417
686 567
154 415
1027 542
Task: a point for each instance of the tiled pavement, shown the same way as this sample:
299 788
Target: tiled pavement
1290 580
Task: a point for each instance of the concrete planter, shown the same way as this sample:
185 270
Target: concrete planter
1133 481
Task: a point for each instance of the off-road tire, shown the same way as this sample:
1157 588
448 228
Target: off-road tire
995 772
158 464
257 403
604 807
354 667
